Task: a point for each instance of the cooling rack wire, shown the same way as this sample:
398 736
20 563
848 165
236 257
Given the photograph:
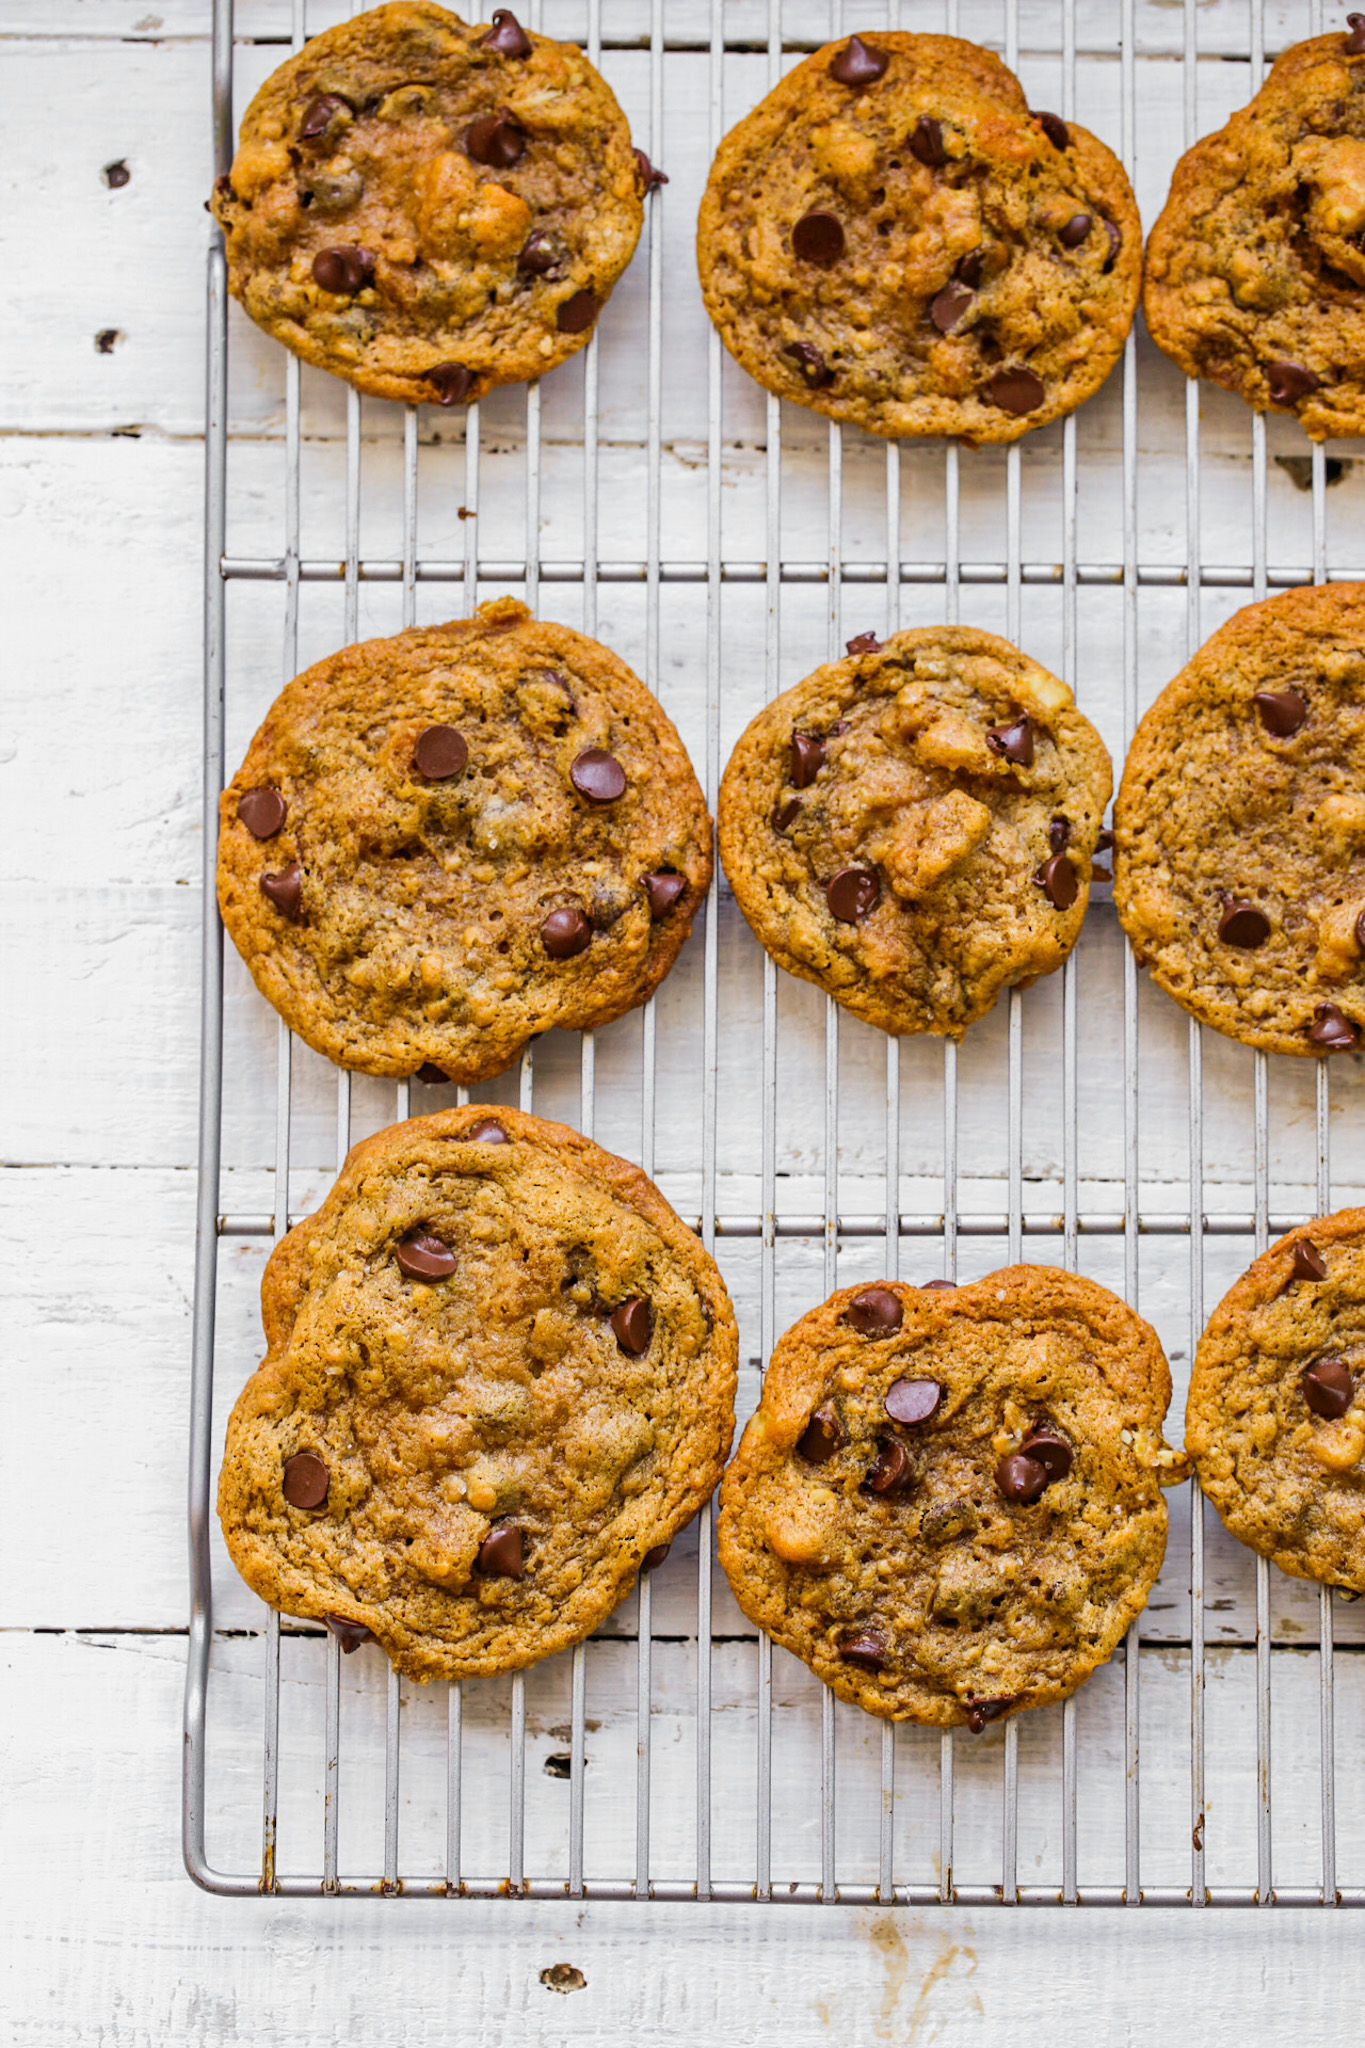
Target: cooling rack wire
487 1747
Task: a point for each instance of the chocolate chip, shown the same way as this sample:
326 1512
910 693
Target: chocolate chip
424 1257
565 933
1282 711
818 238
822 1436
874 1312
262 811
806 760
285 891
783 815
663 891
452 381
927 142
1057 880
343 271
867 1649
495 140
862 643
1115 244
222 187
910 1402
1055 129
979 1712
892 1467
650 178
1015 390
500 1554
1309 1264
1290 381
1074 231
434 1076
972 267
440 753
507 36
116 175
1355 41
1013 742
852 893
598 776
1048 1449
632 1325
1020 1478
652 1559
1360 931
1105 842
1328 1387
1332 1029
320 113
538 256
577 314
858 63
950 305
925 1285
350 1634
1059 834
305 1480
1242 924
811 364
487 1132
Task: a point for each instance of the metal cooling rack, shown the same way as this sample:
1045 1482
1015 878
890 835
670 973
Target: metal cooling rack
757 1809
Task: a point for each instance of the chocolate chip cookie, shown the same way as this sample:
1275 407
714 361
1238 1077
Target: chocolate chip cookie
442 844
429 209
894 238
1255 273
499 1377
948 1502
1276 1414
912 828
1239 862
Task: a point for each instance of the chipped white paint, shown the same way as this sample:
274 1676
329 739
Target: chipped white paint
100 491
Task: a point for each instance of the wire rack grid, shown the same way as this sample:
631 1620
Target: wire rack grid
723 1774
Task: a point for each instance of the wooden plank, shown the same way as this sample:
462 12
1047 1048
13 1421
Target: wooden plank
107 1941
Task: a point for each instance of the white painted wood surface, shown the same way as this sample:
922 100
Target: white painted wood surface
100 484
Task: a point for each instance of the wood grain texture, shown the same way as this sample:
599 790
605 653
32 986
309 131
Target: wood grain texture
101 470
108 1943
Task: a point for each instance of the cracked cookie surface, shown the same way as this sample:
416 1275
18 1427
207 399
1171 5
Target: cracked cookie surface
912 828
1239 827
444 843
894 238
427 208
1275 1420
500 1372
1255 272
948 1503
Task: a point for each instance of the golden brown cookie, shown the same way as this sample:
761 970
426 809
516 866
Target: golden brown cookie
1239 827
429 209
948 1502
912 828
1255 268
892 237
442 844
499 1376
1276 1415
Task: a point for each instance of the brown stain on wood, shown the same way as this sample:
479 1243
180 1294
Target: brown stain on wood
902 1942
